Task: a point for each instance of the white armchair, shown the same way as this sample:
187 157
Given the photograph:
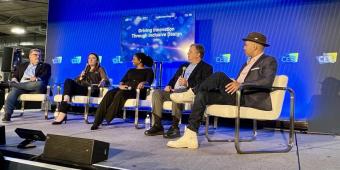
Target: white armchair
85 100
42 97
277 95
96 100
138 105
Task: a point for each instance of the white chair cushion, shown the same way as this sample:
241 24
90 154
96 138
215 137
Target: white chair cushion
79 99
32 97
95 100
75 99
229 111
167 105
142 103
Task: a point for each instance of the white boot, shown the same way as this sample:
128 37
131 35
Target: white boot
188 140
184 97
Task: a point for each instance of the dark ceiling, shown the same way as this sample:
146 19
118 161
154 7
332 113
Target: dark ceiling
29 14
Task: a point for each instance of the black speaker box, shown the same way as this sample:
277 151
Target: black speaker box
7 59
64 149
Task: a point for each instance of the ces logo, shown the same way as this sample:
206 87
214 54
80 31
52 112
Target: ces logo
224 58
76 60
57 60
290 58
327 58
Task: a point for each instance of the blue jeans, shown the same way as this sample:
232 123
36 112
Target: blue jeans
20 88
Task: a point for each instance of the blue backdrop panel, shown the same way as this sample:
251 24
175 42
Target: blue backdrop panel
303 35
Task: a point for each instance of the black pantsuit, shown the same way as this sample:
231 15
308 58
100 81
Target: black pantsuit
112 104
71 88
80 87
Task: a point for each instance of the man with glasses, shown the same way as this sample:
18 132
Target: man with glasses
29 77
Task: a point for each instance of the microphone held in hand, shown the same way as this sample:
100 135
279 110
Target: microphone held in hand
86 69
183 71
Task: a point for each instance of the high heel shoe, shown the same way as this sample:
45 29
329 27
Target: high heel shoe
94 127
58 123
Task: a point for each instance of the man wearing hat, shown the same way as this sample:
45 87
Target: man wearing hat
260 69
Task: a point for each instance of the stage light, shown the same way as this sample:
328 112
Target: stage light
27 43
18 30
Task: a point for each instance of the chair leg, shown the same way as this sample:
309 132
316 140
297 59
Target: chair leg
46 102
252 138
136 118
56 110
290 143
22 107
215 122
124 114
86 113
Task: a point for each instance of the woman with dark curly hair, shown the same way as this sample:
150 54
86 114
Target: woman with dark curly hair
136 78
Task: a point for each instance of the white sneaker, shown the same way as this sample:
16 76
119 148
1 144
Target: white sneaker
184 97
188 140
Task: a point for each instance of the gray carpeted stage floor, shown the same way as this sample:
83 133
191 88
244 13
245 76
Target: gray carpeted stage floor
131 149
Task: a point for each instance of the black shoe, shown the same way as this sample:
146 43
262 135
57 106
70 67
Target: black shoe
94 127
6 119
154 130
58 123
172 133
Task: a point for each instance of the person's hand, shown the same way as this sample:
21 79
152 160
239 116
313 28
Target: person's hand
232 87
33 78
82 74
140 85
167 89
183 81
123 87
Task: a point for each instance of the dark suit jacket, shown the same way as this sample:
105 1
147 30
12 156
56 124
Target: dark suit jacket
43 71
262 73
198 75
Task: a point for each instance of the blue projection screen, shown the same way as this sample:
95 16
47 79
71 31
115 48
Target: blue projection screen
165 37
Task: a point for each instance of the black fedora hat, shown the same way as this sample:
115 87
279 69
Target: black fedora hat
257 37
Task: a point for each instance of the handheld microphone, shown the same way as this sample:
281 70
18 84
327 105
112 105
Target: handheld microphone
87 64
183 71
